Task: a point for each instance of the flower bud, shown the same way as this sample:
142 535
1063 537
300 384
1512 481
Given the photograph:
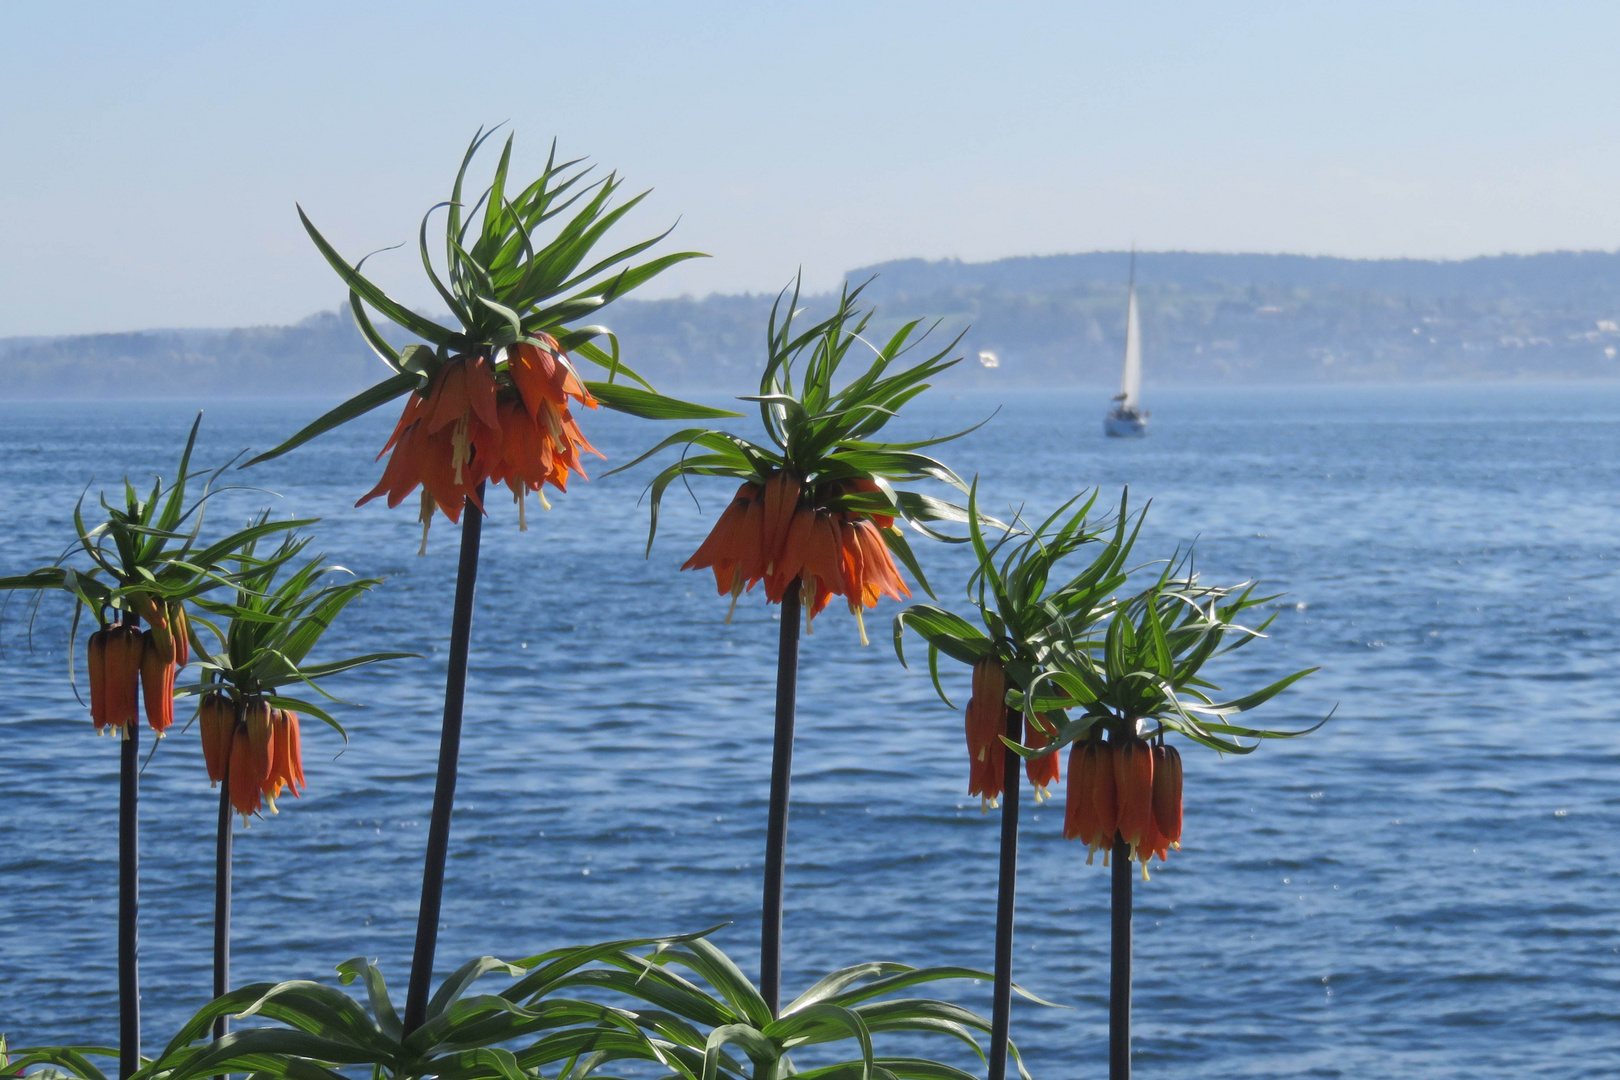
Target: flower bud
180 632
156 614
1167 794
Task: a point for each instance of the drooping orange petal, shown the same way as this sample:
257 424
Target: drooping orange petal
533 373
245 795
295 753
851 564
403 472
720 542
415 409
261 735
283 773
790 564
481 391
878 563
448 399
749 548
781 501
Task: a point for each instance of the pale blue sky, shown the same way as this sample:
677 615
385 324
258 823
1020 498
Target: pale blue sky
151 158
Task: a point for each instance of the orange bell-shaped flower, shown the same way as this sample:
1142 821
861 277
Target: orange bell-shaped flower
245 793
96 652
986 722
765 534
1167 794
286 766
734 538
295 754
1091 811
1133 783
1043 772
822 570
121 671
437 442
261 739
781 504
542 443
216 722
157 683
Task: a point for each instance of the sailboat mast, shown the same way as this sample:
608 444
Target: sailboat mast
1130 384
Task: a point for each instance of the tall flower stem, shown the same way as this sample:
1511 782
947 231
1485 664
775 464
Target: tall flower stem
444 791
129 885
787 690
1119 977
1006 888
222 894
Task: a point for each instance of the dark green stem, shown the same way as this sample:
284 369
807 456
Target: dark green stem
787 688
444 791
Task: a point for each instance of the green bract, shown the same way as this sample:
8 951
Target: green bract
1142 676
1024 619
707 1024
145 552
273 625
822 433
1078 656
505 284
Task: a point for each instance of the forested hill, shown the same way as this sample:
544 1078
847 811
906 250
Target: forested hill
1550 277
1052 320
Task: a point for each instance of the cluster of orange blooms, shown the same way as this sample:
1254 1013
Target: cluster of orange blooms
256 754
1127 788
987 754
469 428
767 534
123 657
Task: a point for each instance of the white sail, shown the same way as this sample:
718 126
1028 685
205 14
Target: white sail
1130 385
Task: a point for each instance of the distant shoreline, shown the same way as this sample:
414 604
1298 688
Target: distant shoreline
1055 321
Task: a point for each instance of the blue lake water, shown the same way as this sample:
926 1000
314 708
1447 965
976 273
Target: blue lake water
1428 887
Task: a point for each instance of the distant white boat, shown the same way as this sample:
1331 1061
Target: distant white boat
1127 418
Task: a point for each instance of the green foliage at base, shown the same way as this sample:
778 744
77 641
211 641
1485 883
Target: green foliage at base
678 1003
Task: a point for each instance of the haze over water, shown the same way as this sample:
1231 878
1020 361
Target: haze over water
1425 888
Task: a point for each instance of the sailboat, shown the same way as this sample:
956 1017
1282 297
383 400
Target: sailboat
1127 418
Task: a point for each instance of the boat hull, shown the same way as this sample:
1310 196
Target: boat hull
1125 427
